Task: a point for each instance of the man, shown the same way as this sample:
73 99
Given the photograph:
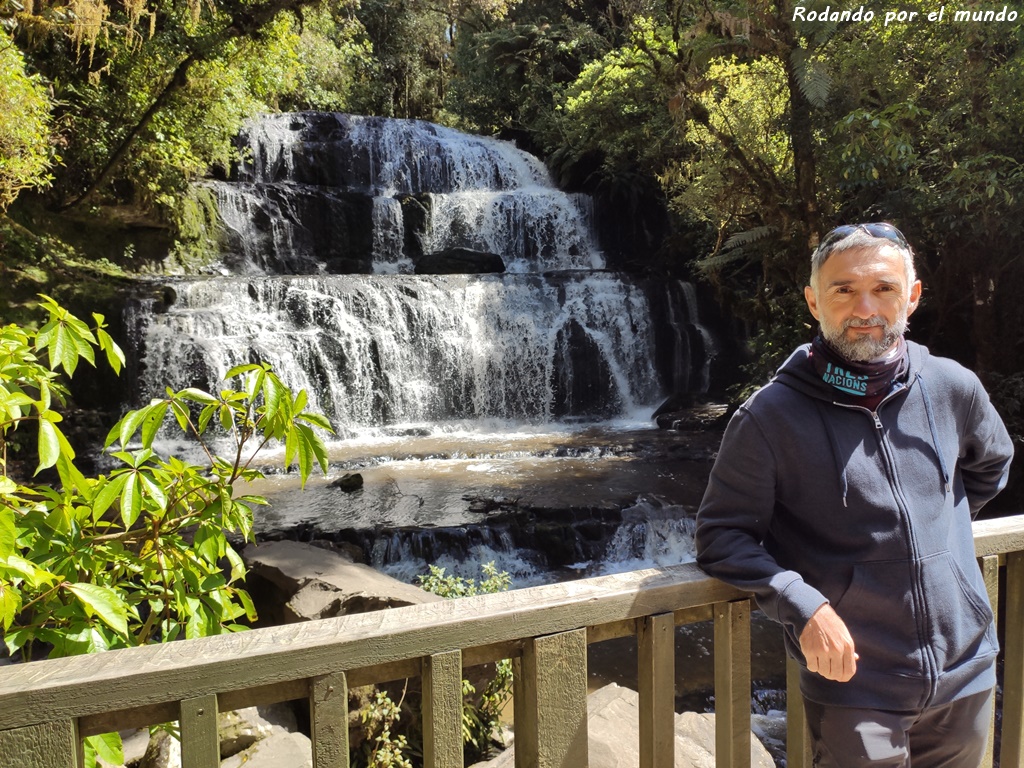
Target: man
842 497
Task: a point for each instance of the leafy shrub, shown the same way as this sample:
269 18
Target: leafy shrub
139 555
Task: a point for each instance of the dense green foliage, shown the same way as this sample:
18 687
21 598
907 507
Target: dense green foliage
25 154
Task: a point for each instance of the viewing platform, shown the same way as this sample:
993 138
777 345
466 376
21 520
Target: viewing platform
48 707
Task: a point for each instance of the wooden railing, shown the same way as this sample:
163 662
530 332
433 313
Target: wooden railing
47 707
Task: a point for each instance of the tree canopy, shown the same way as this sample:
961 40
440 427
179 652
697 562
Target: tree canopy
723 138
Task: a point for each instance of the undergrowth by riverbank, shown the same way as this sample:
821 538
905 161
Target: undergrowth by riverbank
32 263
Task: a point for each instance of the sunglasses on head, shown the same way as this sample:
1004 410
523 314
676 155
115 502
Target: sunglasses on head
875 229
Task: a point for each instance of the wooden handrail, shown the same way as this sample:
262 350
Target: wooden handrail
49 705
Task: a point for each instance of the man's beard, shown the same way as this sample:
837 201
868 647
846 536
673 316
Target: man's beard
864 347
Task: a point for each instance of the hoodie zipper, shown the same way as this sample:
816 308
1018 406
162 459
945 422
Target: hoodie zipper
930 665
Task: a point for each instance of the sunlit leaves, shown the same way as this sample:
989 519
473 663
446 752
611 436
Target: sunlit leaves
25 146
65 338
115 357
49 444
7 532
139 554
108 747
103 602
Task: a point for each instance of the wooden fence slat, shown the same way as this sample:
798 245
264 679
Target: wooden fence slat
137 677
328 717
524 691
50 745
550 702
732 684
200 744
42 702
442 710
990 572
657 675
798 738
1011 754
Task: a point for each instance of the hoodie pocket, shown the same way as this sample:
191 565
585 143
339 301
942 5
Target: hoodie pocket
959 616
894 609
878 609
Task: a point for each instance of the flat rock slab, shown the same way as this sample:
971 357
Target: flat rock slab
613 725
322 583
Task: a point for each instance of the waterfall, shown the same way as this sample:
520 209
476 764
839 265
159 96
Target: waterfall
325 222
375 350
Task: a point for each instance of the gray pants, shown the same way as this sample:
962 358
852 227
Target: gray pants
952 736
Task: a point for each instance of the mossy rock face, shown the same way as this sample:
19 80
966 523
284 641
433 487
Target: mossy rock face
200 232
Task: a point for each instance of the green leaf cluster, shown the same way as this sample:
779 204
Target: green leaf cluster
382 748
439 583
140 554
26 153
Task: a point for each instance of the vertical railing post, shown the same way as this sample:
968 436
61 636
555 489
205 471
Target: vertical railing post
48 745
1011 751
550 702
798 739
732 684
657 677
200 743
442 710
328 717
990 573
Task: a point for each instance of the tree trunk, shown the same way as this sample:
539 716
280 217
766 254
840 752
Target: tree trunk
985 326
178 80
801 135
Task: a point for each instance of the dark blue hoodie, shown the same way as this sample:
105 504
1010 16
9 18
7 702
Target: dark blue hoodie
813 501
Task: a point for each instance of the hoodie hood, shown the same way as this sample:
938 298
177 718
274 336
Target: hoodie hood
798 373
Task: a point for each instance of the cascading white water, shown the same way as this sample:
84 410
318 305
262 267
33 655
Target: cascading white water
322 196
385 350
388 236
533 229
381 156
292 208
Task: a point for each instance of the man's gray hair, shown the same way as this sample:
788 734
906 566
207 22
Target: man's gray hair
860 238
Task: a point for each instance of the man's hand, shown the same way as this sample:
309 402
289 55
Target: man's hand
827 646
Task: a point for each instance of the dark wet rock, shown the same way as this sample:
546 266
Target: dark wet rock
460 261
349 482
697 416
416 217
482 505
330 230
407 431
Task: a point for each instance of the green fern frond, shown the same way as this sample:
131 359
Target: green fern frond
749 237
823 32
812 77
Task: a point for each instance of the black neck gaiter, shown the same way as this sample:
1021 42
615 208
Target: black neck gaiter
872 379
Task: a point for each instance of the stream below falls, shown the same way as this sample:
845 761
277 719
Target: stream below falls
545 504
